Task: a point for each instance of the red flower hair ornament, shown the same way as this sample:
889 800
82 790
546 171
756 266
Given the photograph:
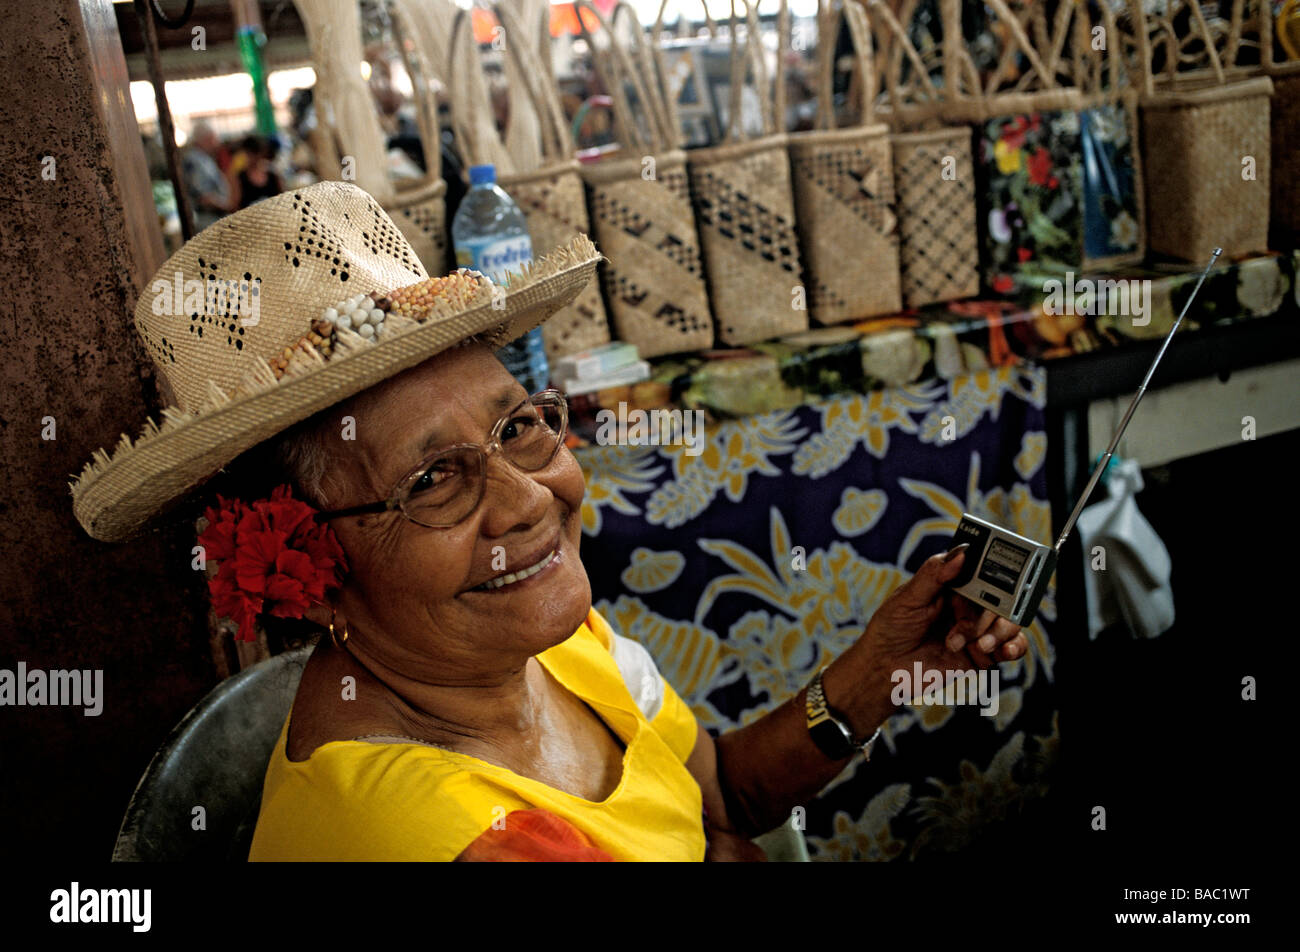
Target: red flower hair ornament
272 558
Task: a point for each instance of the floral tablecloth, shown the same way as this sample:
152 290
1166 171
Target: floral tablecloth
743 568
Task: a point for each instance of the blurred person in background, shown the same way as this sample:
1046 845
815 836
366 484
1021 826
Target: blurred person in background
209 190
255 176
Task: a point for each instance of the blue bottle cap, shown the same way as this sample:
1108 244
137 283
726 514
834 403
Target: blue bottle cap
482 175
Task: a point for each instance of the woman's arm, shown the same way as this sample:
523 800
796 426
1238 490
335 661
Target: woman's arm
752 778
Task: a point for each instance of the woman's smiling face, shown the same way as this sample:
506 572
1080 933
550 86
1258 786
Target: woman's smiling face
415 594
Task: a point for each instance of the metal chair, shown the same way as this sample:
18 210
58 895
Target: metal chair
215 758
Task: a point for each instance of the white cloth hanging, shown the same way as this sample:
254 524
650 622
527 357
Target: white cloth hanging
1134 586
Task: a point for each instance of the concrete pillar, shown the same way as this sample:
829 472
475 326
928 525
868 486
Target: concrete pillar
78 241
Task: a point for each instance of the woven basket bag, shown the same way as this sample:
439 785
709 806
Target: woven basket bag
550 195
1199 129
744 205
1045 74
640 207
843 187
934 177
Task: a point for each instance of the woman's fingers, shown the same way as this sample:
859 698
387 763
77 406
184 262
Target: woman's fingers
981 658
999 641
1016 647
970 630
999 632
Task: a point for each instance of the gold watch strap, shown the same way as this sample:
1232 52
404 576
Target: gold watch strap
818 710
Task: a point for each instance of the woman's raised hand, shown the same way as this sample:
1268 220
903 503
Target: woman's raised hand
921 621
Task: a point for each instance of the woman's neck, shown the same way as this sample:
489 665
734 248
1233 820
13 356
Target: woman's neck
495 711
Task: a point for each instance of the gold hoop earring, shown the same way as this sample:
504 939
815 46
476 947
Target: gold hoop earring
334 636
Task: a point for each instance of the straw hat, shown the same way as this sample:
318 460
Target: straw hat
229 322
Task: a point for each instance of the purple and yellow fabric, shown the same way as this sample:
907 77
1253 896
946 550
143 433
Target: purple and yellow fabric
744 568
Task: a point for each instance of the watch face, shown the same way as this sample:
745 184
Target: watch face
830 738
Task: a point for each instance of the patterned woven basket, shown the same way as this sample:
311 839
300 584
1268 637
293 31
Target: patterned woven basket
1201 132
641 211
844 190
421 215
934 176
555 204
744 205
1195 141
938 246
550 195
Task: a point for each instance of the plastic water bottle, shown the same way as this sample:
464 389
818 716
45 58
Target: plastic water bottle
491 236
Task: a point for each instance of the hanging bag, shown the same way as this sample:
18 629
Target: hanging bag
843 185
1206 134
550 193
934 177
641 208
1038 149
744 206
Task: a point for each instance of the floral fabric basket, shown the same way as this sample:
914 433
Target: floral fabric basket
1058 166
1061 188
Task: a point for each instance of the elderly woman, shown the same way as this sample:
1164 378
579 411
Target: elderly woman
467 702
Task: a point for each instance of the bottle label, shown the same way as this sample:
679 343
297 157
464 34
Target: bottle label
496 257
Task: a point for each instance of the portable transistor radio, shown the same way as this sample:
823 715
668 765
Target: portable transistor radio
1008 573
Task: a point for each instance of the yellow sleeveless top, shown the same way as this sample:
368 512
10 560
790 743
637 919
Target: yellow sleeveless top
354 800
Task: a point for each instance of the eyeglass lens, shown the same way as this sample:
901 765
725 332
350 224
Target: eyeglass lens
450 486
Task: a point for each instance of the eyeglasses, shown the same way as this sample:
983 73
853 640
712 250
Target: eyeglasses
448 486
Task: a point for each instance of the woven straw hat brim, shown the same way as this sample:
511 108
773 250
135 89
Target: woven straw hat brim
118 496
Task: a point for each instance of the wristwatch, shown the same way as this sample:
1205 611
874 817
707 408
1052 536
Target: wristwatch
829 731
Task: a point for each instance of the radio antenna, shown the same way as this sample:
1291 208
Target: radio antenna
1128 414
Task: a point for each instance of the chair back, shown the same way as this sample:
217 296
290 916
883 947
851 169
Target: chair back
214 759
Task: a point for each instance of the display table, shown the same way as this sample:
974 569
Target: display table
835 463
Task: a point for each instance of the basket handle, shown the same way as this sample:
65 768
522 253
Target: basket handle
752 51
903 47
860 34
649 66
1046 77
1147 24
670 100
555 140
614 68
462 107
426 112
